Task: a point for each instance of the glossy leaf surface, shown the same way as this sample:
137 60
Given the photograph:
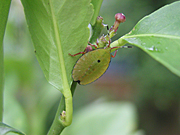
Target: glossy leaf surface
158 34
58 27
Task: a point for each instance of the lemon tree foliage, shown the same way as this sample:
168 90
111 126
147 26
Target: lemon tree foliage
58 28
158 34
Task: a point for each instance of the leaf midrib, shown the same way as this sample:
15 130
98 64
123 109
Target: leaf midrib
152 35
59 48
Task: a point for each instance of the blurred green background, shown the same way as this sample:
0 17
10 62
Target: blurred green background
136 95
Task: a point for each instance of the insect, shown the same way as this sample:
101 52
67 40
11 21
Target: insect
92 64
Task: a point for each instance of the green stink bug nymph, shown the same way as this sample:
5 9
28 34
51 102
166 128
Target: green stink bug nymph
92 65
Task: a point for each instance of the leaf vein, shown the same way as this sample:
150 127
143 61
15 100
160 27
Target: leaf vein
152 35
59 48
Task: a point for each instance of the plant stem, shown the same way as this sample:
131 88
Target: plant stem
57 127
1 82
119 42
4 10
97 5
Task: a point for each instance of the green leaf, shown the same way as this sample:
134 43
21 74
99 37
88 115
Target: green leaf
158 34
4 129
58 27
4 10
97 6
104 118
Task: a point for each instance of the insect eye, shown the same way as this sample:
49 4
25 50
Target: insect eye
98 61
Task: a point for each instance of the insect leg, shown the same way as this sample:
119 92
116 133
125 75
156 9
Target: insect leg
114 54
117 50
92 45
77 54
97 43
109 42
107 28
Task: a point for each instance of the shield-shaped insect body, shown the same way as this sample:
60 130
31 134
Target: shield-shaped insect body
91 66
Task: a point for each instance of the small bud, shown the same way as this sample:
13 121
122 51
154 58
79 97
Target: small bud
99 19
63 116
120 18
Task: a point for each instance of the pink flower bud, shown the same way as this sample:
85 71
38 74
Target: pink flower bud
120 17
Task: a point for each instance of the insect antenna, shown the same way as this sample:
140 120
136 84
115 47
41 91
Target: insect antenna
109 42
107 29
121 47
125 47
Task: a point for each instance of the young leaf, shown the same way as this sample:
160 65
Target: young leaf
58 27
4 10
158 34
4 129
